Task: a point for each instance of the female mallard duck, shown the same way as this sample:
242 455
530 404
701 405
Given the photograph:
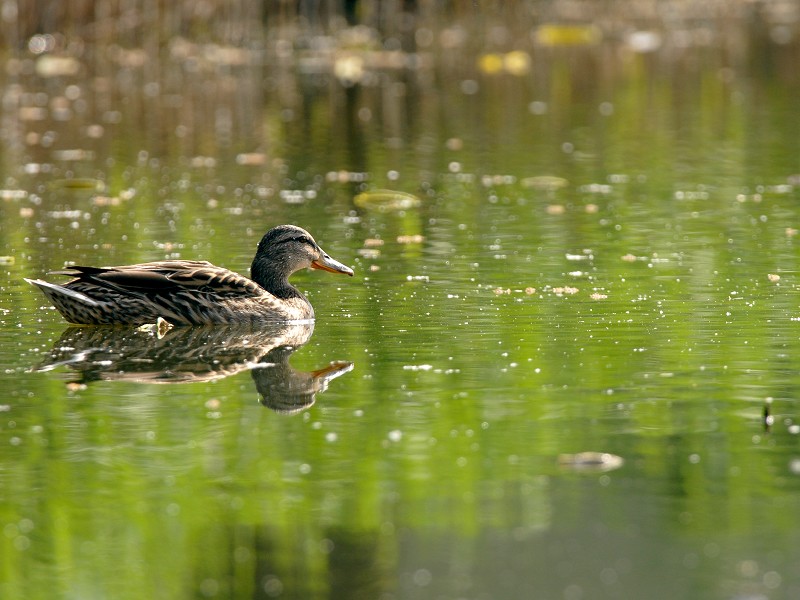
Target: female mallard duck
195 292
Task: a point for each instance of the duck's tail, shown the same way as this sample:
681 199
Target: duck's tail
74 306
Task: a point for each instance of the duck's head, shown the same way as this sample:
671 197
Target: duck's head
287 248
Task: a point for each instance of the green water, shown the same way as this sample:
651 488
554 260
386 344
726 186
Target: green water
604 259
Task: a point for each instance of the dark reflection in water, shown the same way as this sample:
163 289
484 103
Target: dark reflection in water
197 354
287 390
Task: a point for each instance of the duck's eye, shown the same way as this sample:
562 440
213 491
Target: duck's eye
299 239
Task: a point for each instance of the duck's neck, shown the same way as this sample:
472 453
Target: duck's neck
275 283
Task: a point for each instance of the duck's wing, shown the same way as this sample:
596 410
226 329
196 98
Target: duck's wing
166 277
215 280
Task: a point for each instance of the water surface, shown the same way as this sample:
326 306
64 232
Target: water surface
603 259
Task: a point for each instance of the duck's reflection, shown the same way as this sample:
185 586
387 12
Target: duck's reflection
194 354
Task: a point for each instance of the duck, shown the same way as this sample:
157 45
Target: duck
191 292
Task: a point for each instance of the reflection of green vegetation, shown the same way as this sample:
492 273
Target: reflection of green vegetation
438 453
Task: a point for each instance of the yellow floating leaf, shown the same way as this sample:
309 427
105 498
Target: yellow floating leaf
568 35
517 62
490 63
387 200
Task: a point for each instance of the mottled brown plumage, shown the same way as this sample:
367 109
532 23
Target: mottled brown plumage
186 292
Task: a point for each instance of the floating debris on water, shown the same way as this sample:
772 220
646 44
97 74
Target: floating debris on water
590 461
395 435
555 209
95 131
643 42
495 180
297 196
371 253
251 158
387 200
73 154
66 214
432 369
587 255
371 249
565 291
106 201
692 195
774 278
49 65
36 168
7 260
410 239
596 188
618 178
13 194
203 162
32 113
781 188
544 182
78 183
346 176
349 68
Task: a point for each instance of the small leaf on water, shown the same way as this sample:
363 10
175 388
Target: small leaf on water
387 200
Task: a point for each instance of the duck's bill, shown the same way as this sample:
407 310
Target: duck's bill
326 263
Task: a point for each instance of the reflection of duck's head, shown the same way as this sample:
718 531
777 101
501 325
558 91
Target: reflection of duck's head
195 292
286 390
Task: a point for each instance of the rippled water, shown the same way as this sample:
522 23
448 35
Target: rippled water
566 371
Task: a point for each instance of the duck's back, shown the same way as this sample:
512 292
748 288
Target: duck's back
182 292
